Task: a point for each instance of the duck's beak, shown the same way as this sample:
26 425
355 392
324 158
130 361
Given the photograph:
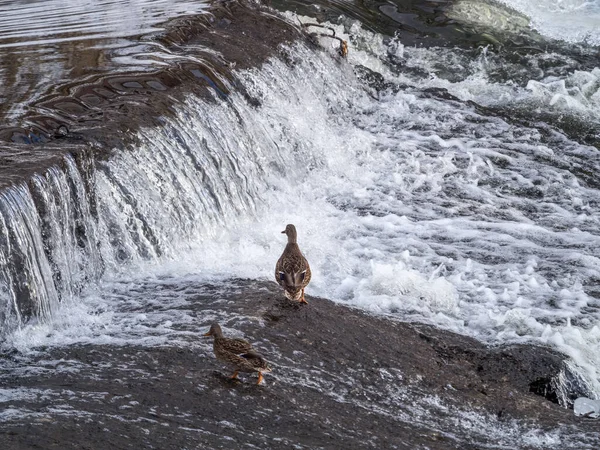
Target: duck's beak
283 232
207 334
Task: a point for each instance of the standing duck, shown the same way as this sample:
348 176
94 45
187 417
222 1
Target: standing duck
292 271
238 353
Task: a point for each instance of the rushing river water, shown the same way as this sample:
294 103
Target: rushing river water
446 172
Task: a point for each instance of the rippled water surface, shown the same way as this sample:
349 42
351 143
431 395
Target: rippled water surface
45 43
39 23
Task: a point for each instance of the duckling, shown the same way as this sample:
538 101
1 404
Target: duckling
292 271
238 353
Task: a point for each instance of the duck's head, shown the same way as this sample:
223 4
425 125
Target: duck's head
215 330
290 231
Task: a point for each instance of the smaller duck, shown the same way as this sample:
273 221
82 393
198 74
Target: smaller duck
238 353
292 271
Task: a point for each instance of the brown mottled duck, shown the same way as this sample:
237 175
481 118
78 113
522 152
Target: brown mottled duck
238 353
292 271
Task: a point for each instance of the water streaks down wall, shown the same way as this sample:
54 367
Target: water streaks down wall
85 213
50 246
67 226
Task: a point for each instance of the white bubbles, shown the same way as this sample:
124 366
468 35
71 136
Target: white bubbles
566 20
579 92
396 287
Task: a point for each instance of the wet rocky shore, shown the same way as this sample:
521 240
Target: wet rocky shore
341 379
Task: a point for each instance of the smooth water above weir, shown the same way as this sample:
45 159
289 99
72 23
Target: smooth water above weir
39 23
46 43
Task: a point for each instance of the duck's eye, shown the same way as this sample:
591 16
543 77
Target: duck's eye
302 275
281 276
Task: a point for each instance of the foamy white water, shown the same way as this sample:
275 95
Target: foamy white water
575 21
406 204
571 21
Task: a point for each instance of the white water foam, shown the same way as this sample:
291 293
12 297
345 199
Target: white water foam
572 93
575 21
412 222
544 84
571 21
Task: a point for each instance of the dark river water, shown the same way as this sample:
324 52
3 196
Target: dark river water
444 172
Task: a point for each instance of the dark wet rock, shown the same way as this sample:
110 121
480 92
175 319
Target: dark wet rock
341 379
374 79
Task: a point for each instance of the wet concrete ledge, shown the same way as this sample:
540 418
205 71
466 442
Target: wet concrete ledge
342 379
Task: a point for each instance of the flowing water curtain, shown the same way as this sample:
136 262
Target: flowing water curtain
26 274
48 243
204 168
68 226
158 196
64 228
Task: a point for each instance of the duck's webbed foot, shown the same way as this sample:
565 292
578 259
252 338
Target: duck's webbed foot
260 378
234 376
302 299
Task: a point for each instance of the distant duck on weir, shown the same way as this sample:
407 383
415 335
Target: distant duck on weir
292 271
238 354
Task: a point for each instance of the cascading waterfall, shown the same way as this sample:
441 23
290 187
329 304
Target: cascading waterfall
50 245
201 169
27 288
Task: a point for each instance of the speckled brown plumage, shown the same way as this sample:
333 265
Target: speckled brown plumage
238 353
292 271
